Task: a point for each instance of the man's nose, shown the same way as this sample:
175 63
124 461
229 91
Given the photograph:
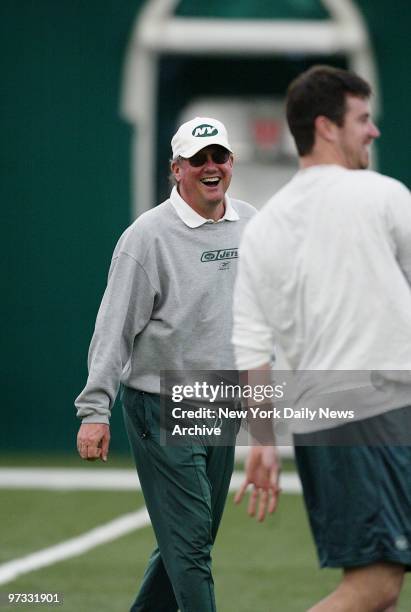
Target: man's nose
210 158
374 131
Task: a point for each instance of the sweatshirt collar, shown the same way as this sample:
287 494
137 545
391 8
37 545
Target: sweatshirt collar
192 219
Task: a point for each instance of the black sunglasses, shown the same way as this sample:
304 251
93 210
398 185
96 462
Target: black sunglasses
219 156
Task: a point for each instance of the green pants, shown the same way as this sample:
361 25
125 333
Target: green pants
185 489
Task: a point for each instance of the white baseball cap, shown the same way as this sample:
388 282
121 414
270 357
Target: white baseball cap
196 134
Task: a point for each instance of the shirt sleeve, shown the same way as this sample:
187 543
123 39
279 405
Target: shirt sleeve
125 310
399 219
252 334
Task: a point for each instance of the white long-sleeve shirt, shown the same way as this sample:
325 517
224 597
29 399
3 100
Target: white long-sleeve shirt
325 273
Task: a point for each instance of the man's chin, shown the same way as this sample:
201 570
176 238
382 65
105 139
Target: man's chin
366 160
365 163
215 200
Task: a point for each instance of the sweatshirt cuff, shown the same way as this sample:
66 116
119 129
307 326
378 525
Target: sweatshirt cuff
96 418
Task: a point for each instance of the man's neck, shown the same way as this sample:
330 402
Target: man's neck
208 211
213 211
321 157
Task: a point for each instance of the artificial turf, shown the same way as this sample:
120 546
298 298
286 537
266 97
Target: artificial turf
257 567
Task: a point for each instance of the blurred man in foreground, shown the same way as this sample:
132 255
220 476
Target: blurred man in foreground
325 272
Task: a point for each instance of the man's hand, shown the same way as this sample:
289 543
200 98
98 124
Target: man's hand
263 472
93 440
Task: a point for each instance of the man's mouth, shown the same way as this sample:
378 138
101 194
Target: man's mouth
211 181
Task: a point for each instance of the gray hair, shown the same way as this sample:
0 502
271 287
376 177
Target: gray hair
171 178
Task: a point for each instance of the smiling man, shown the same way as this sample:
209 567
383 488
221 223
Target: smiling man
203 176
167 306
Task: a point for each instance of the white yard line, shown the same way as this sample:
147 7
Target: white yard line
75 546
103 479
69 479
78 479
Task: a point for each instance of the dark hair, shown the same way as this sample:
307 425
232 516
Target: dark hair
321 90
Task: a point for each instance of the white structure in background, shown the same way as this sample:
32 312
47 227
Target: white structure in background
157 31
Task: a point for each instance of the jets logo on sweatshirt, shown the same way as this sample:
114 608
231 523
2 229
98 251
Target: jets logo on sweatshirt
219 255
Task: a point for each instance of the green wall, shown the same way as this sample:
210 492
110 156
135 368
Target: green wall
390 25
65 184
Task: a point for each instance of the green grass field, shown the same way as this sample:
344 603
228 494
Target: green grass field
257 567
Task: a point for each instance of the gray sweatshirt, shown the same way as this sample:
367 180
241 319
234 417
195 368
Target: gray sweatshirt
167 305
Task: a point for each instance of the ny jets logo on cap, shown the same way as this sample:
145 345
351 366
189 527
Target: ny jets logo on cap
204 130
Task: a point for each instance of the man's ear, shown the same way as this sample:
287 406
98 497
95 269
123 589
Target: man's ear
176 169
325 128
